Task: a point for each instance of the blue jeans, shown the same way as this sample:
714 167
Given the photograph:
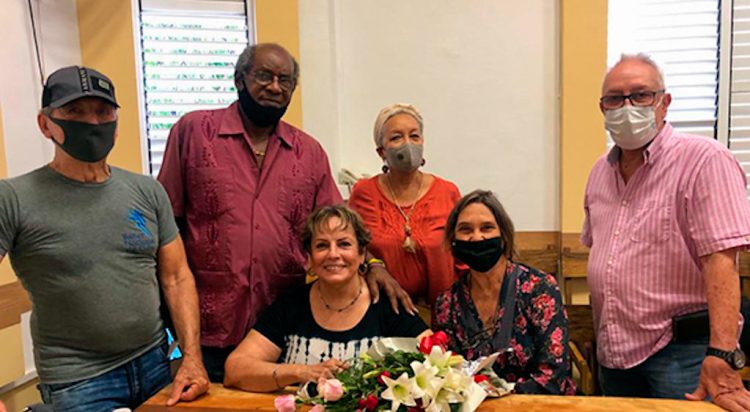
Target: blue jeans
670 373
127 386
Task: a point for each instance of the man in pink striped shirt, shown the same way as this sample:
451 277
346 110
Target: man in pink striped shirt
666 214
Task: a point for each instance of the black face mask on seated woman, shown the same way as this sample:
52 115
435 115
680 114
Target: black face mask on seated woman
481 255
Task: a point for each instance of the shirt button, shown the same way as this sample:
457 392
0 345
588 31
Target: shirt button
255 260
257 227
609 262
624 203
617 232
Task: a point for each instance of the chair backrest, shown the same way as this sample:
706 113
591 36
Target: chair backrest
580 324
573 264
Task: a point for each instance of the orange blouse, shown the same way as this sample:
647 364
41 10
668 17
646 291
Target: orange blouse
428 272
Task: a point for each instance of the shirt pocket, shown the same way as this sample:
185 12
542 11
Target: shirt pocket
210 190
296 199
652 223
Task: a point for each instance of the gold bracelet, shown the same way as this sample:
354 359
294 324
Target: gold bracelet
375 262
276 378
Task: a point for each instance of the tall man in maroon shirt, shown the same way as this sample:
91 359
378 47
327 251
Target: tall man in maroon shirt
241 183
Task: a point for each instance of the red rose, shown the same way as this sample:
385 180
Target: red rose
437 339
480 378
380 377
368 404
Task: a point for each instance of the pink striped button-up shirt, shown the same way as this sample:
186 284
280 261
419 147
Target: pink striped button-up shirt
688 200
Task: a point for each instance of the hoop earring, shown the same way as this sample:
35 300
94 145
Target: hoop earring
423 161
363 268
384 168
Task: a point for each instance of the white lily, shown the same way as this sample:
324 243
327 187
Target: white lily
456 381
400 391
439 358
426 380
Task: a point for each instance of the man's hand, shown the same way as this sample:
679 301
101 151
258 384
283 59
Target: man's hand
379 278
723 385
190 382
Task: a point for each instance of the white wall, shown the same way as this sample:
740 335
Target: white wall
483 73
20 85
21 89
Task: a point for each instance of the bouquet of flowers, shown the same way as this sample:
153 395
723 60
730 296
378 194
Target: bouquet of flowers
394 376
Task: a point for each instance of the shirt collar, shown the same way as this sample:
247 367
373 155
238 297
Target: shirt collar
662 139
231 125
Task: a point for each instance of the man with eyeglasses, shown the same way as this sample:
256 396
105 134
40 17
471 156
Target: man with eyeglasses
665 216
242 182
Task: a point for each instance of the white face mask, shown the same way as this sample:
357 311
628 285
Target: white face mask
631 127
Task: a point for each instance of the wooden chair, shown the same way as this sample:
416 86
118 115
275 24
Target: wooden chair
583 346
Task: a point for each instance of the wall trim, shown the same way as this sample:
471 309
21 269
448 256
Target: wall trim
13 302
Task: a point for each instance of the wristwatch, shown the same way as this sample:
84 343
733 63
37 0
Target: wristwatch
735 359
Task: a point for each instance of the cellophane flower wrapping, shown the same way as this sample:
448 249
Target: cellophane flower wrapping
395 376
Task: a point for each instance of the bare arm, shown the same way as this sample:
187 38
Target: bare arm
379 278
178 285
718 379
251 367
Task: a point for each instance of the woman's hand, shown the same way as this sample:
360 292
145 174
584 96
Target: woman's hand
321 370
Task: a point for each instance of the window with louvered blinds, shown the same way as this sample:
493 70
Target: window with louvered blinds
739 107
682 36
189 51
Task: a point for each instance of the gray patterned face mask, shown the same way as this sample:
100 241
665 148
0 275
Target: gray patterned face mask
405 158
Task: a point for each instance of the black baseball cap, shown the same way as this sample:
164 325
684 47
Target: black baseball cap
73 82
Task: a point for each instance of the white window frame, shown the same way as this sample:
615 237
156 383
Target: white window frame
140 80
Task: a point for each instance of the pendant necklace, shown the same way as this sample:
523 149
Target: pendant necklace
339 310
409 245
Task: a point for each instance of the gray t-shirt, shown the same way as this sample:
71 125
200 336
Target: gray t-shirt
87 254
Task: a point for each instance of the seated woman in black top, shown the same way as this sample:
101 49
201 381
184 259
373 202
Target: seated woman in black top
309 332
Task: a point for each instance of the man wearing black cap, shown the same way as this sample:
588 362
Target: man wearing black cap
85 240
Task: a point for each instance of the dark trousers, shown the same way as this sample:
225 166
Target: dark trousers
214 359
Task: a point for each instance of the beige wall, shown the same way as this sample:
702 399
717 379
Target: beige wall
107 44
276 22
583 61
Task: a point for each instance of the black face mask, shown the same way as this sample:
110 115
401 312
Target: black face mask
480 256
85 141
261 116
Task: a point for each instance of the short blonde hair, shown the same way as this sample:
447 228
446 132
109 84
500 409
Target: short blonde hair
392 110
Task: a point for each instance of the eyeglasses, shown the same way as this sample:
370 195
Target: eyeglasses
264 78
636 99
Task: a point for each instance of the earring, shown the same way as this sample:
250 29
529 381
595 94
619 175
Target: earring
363 268
384 168
423 161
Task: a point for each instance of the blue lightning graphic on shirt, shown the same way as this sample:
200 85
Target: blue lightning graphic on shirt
136 217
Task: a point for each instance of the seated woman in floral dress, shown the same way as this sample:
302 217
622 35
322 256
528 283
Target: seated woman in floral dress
498 305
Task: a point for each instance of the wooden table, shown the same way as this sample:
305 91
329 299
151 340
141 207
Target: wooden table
220 399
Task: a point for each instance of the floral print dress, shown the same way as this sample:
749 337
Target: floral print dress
536 358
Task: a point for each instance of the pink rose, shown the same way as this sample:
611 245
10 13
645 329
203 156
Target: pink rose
330 389
285 403
318 408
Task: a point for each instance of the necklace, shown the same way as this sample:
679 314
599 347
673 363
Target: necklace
408 244
259 153
347 306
